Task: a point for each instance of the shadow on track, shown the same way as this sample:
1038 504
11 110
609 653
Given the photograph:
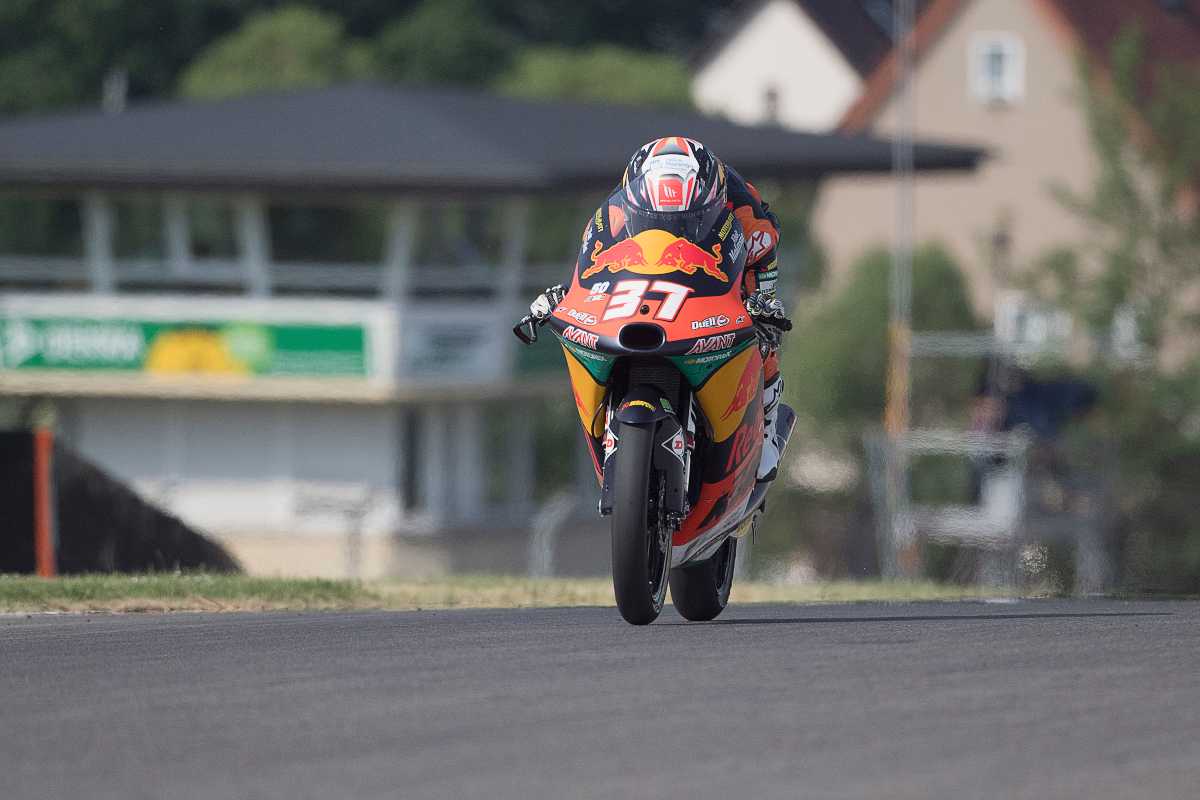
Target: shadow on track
927 618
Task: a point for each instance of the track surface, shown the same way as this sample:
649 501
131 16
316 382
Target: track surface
1037 699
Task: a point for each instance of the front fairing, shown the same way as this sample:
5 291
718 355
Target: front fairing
690 291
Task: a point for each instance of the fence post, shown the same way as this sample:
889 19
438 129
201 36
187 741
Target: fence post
45 560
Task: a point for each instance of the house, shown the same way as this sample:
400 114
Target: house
1003 74
275 312
796 63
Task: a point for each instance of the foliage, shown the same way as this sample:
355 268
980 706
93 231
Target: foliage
837 356
291 47
1145 131
1144 254
56 53
605 73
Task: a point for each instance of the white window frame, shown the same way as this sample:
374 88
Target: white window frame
979 85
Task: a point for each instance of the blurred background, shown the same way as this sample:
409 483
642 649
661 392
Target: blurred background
259 261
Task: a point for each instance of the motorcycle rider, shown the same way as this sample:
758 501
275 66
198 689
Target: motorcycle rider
675 174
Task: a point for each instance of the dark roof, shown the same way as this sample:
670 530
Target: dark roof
364 137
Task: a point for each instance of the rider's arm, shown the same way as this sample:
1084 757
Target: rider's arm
761 228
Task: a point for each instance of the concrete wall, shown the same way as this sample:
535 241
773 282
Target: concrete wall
779 48
1038 141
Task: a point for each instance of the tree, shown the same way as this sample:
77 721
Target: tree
1144 126
604 73
291 47
837 356
445 41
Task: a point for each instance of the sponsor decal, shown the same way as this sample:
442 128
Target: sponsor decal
717 321
670 192
573 334
745 390
584 353
676 445
707 359
743 444
581 316
638 404
741 320
725 228
666 404
610 441
599 220
600 287
593 298
710 343
738 242
760 242
656 252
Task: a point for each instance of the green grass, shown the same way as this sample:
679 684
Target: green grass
201 592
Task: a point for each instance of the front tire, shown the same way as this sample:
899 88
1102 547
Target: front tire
641 557
701 591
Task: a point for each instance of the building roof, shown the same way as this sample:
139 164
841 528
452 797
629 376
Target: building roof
373 138
1171 29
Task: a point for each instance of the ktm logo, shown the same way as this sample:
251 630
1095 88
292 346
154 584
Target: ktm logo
656 252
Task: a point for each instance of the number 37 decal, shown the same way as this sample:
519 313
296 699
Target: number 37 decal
627 296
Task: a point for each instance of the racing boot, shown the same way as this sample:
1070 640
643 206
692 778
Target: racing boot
768 465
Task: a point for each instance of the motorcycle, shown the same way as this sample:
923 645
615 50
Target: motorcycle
666 368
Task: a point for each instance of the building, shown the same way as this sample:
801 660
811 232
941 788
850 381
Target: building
290 313
796 63
1004 74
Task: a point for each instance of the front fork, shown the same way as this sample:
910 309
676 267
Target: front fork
673 445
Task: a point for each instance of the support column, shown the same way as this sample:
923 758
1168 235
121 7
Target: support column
520 464
467 490
434 464
399 249
98 227
512 267
254 244
176 235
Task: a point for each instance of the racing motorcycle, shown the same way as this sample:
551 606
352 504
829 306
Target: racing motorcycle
666 368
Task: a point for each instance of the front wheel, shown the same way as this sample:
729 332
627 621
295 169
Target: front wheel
700 591
641 547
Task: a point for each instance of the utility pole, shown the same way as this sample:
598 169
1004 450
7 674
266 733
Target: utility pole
896 420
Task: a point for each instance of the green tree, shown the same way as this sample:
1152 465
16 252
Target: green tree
291 47
1144 126
445 41
604 73
837 356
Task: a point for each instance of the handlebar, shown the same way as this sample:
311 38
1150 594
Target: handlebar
527 329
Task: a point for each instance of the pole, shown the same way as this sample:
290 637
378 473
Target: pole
43 503
899 382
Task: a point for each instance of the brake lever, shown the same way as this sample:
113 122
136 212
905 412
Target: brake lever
527 323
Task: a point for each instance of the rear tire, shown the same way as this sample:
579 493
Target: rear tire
639 564
701 591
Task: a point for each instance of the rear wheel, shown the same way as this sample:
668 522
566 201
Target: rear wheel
700 591
641 547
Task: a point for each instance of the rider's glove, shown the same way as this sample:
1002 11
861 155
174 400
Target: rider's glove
770 318
546 302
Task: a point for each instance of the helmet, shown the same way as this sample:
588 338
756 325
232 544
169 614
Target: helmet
674 184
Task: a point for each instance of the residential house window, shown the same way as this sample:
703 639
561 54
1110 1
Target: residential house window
996 68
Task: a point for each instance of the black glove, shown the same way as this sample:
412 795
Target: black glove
770 319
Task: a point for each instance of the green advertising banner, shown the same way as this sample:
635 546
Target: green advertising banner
183 348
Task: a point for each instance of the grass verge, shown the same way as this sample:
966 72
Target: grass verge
167 592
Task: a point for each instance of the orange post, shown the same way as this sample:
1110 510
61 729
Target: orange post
43 504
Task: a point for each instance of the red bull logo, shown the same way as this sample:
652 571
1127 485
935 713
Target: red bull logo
745 390
656 253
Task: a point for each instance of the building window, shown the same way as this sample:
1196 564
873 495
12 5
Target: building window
33 225
456 234
996 68
211 228
138 227
327 234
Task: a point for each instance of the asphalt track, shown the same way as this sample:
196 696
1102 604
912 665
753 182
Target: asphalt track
1036 699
